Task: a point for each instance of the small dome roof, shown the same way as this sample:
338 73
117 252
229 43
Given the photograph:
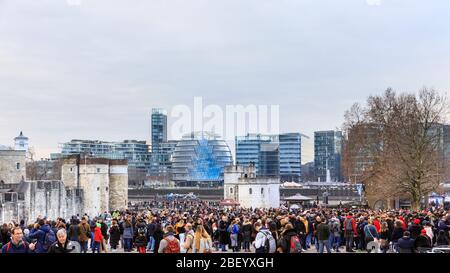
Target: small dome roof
21 136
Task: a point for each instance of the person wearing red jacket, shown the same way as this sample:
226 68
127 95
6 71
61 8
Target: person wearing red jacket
403 223
98 238
376 223
349 232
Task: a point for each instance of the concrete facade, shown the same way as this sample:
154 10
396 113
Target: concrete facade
243 185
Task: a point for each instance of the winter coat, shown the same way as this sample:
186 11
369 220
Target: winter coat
127 232
74 233
141 240
39 234
323 232
406 245
59 248
397 234
22 247
114 234
247 232
285 242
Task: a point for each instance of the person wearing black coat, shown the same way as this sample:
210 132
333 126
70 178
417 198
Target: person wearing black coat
246 234
442 239
422 242
415 229
223 233
406 243
62 244
114 235
159 235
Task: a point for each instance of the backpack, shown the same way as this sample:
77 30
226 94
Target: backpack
269 243
172 246
348 224
49 239
295 246
334 227
8 246
142 230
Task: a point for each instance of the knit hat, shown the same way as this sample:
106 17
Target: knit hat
424 231
416 221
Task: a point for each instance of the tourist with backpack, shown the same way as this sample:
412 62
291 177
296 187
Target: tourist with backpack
290 240
17 244
371 234
44 235
264 242
349 232
141 238
335 233
169 244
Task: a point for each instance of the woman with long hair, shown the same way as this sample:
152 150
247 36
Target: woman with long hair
385 237
202 241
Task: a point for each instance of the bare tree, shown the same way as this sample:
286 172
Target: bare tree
395 144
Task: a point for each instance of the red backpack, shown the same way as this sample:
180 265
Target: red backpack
295 246
173 246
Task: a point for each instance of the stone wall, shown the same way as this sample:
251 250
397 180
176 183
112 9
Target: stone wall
12 166
33 199
118 184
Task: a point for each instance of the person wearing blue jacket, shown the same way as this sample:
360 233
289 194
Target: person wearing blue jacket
41 232
17 243
234 231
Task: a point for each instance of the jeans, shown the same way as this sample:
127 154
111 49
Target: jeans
316 242
151 243
325 243
348 243
308 240
84 247
223 247
127 244
247 245
92 240
96 246
335 241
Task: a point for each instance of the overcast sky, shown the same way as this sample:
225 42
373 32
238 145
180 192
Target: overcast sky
94 68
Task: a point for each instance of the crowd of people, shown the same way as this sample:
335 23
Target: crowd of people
202 227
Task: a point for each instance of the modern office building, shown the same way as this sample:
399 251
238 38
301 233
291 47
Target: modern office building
272 155
158 128
160 169
199 160
327 155
248 148
269 160
290 157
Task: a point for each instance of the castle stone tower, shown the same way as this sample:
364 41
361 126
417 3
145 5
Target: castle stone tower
118 184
